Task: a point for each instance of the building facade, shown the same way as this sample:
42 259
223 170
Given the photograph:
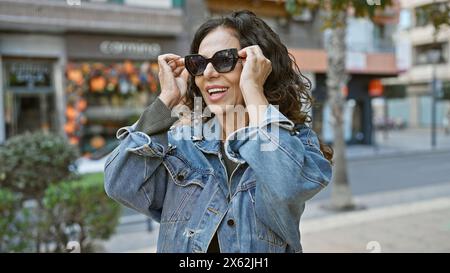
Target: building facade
423 56
82 68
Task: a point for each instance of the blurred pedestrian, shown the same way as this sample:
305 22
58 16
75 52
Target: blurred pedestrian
240 183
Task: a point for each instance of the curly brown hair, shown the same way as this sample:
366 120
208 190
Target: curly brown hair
286 86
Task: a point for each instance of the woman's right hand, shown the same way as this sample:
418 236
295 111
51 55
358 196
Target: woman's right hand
173 78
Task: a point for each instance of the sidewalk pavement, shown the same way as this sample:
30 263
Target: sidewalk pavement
412 227
408 220
132 236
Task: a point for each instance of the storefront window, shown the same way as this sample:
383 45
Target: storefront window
28 75
102 97
28 100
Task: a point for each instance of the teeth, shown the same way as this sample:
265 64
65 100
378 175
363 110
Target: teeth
215 90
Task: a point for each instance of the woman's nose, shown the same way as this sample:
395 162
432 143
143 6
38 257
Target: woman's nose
210 71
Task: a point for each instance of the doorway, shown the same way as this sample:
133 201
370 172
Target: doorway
28 97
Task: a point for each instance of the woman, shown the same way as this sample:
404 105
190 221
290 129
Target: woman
239 182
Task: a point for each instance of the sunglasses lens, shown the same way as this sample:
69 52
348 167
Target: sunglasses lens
195 64
224 61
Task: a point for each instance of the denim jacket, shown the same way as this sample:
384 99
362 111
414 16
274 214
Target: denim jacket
179 179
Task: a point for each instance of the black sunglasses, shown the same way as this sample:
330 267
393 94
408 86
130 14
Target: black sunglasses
223 61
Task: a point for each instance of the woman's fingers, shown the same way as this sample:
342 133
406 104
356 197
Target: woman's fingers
176 63
166 61
251 55
179 62
179 67
255 54
185 74
256 66
243 52
257 50
246 51
251 52
168 57
177 71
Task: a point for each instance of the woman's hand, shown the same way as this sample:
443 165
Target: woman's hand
173 79
256 69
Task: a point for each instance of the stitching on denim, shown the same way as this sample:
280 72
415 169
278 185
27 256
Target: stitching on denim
312 180
173 217
113 156
245 187
282 148
259 224
200 170
145 194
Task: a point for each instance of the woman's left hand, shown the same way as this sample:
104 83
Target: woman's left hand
256 69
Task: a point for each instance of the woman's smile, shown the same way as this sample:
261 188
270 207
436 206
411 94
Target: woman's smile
216 92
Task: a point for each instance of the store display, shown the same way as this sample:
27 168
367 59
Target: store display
102 97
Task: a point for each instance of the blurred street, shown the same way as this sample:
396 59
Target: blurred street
403 184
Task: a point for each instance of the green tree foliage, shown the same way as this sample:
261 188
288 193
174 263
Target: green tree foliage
29 163
82 208
436 14
37 170
15 229
331 8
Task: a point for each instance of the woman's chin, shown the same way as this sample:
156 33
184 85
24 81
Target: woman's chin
220 109
217 109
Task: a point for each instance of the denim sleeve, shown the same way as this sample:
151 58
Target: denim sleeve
134 173
289 168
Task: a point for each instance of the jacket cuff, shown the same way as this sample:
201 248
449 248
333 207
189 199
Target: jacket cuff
156 118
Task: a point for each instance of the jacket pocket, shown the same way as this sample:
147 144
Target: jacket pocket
182 204
262 231
184 187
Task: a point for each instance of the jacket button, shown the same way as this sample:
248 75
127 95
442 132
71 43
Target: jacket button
180 177
230 222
